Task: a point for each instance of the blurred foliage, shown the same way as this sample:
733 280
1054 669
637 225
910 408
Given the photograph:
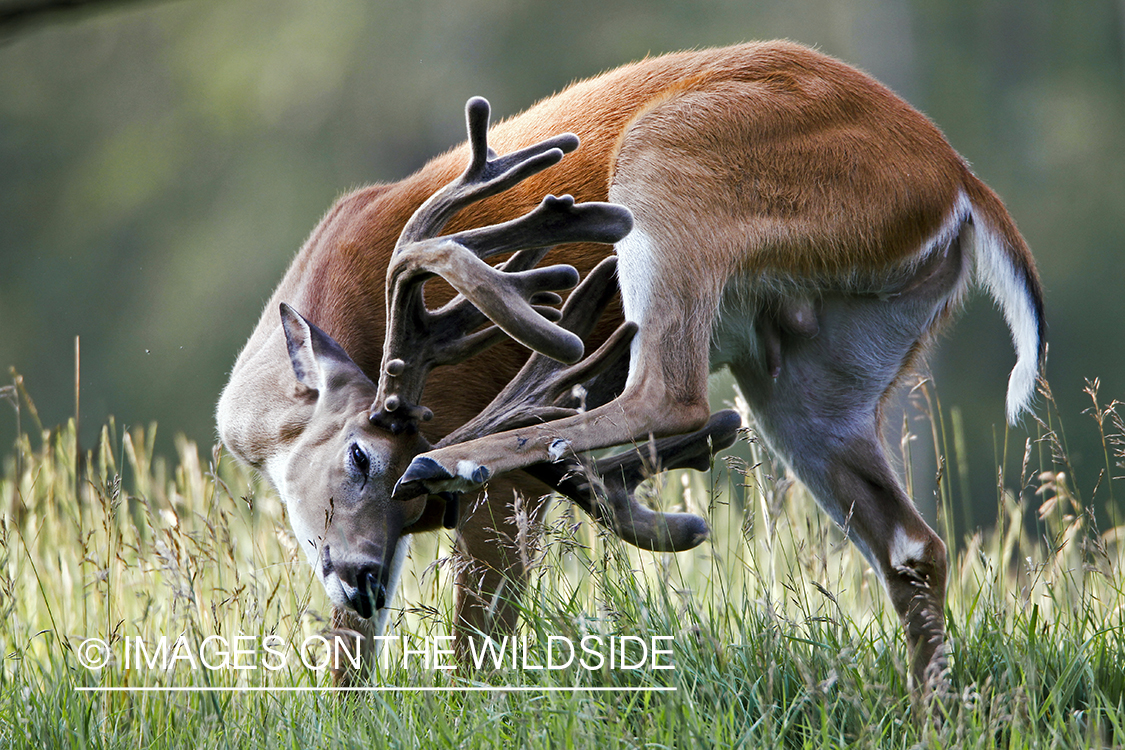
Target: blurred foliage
161 163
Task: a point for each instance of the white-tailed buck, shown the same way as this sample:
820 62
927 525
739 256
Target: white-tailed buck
773 211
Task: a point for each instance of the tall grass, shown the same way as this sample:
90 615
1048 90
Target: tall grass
782 634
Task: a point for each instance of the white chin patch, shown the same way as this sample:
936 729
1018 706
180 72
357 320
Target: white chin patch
338 591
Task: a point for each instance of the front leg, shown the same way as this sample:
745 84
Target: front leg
497 545
358 633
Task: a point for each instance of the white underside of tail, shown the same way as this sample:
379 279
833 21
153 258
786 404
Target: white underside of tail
1008 288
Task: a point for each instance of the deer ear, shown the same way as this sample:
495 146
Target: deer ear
317 359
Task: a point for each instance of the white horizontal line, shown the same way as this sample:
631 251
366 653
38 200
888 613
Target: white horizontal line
377 689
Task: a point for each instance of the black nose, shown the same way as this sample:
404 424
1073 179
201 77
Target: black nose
369 591
366 577
369 595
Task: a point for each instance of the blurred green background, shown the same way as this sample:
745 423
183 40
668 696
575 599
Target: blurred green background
160 164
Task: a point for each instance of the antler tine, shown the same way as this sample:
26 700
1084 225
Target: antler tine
459 314
486 174
606 489
512 296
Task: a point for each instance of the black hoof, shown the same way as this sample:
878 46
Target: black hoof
412 483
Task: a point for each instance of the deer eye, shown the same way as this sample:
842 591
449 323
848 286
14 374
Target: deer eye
360 460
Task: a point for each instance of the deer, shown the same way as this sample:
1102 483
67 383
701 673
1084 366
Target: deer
764 208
